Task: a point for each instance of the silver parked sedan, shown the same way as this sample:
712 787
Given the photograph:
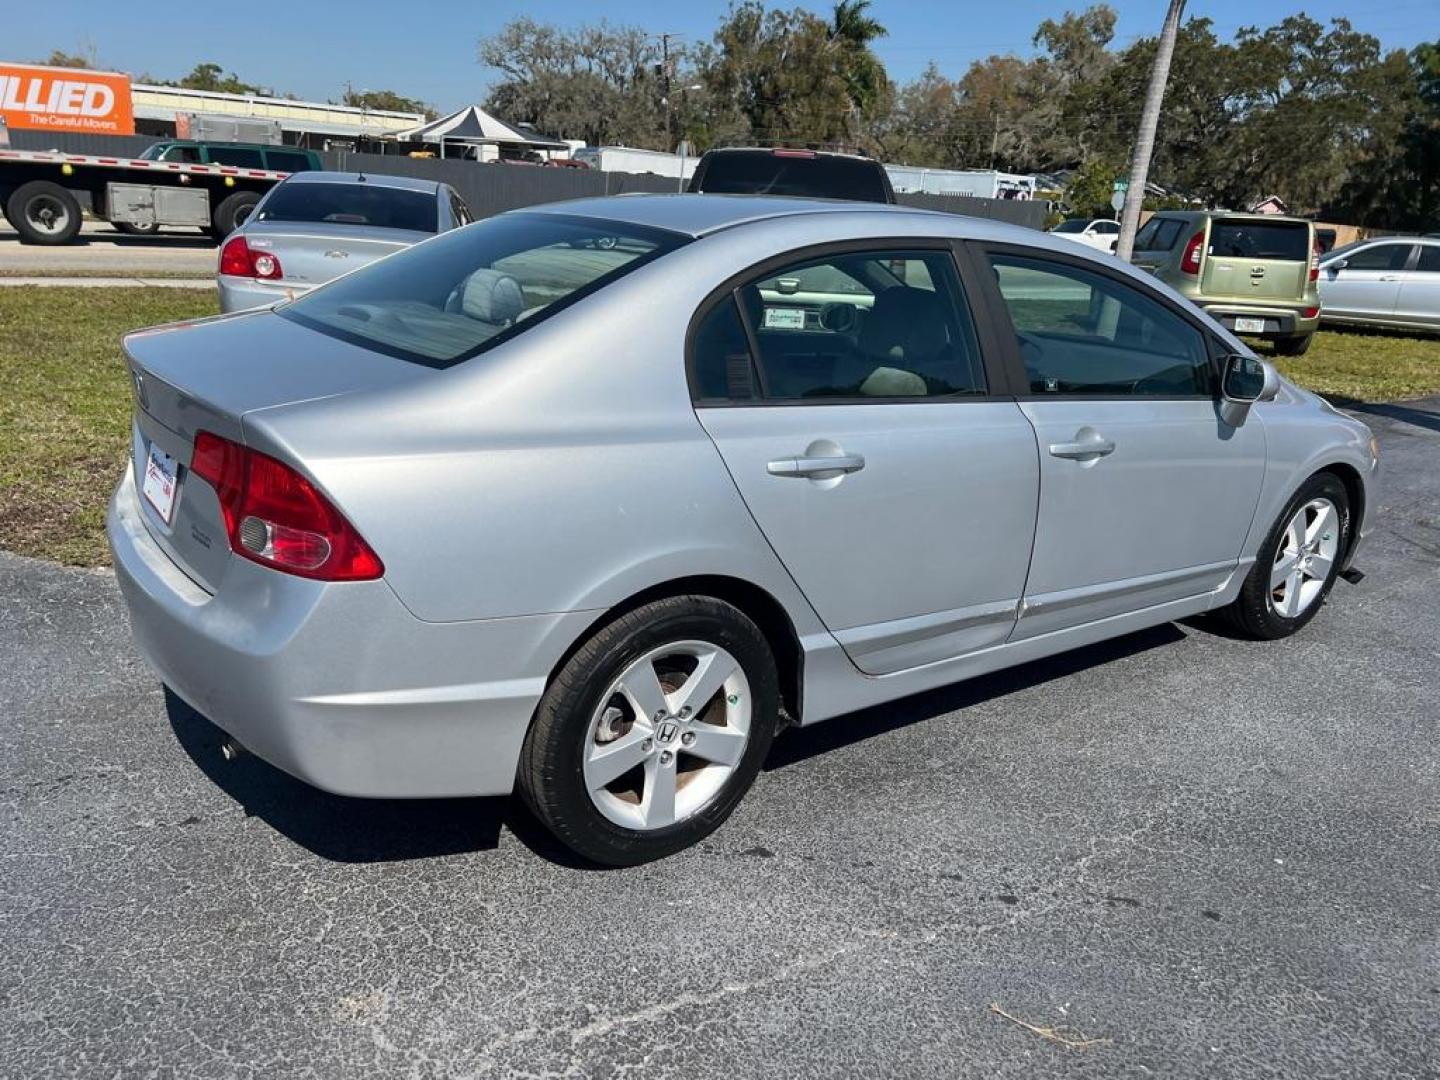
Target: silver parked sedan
1392 282
315 226
595 498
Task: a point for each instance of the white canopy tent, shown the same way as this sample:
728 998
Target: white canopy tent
473 126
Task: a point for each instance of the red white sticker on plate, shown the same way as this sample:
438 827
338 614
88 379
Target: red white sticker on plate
159 484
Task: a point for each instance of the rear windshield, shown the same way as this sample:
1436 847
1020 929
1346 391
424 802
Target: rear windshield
1288 241
768 173
445 300
366 204
1158 234
1073 225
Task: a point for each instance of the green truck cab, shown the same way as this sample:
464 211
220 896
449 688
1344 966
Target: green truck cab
1256 273
286 159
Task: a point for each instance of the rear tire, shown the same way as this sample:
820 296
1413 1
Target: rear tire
1294 346
232 212
684 771
43 212
131 229
1286 586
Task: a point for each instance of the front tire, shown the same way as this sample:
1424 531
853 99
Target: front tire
1297 564
43 212
131 229
652 732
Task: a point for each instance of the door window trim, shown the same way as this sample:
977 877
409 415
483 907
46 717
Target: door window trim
991 366
981 250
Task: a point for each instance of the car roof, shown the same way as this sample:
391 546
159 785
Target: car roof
795 151
406 183
701 215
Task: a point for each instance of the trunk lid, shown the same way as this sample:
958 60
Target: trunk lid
205 376
1257 259
312 253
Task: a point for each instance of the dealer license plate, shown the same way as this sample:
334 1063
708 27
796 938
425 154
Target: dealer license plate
159 484
1249 326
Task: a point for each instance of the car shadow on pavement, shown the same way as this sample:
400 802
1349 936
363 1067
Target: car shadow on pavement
800 744
1427 416
349 830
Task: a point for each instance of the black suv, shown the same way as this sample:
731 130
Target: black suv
807 173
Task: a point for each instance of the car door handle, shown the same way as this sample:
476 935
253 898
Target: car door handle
838 465
1085 448
1389 277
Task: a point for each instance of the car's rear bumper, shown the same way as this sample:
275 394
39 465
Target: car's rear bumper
1279 321
242 294
338 684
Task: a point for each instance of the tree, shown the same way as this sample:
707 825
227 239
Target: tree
1145 136
777 76
212 77
85 58
599 83
388 101
852 31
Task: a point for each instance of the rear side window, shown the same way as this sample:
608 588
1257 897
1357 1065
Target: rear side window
861 326
287 161
1159 234
238 156
1429 259
1283 241
368 204
1379 257
1080 332
188 154
814 176
446 300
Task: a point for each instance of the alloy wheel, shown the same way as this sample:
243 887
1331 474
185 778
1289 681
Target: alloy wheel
1305 558
668 734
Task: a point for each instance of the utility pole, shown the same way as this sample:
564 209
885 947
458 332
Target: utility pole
995 141
1145 137
665 77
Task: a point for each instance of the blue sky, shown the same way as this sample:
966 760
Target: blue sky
427 49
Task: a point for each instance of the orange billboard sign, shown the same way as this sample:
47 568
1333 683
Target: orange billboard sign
65 99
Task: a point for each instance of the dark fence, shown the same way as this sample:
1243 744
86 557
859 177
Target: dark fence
1025 212
491 189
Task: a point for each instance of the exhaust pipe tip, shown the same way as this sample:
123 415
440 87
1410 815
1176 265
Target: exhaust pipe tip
231 750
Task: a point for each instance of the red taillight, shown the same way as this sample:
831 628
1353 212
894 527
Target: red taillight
1315 264
1309 312
1190 261
276 517
238 259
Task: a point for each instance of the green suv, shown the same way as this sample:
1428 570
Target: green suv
1255 273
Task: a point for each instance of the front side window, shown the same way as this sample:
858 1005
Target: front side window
445 300
863 325
1379 257
1080 332
188 154
1107 228
369 204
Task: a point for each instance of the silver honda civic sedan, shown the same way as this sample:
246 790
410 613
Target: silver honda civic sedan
594 499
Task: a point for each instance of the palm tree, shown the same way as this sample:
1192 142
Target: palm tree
852 31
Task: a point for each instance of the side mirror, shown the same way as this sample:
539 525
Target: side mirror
1337 265
1246 380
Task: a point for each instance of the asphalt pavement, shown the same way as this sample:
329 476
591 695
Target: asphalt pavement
101 248
1213 857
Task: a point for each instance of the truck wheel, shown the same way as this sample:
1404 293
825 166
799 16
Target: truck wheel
43 213
232 212
131 229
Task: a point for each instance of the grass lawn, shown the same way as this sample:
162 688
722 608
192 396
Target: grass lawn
1364 365
65 407
65 410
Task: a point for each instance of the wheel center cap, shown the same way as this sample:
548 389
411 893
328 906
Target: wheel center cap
667 731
